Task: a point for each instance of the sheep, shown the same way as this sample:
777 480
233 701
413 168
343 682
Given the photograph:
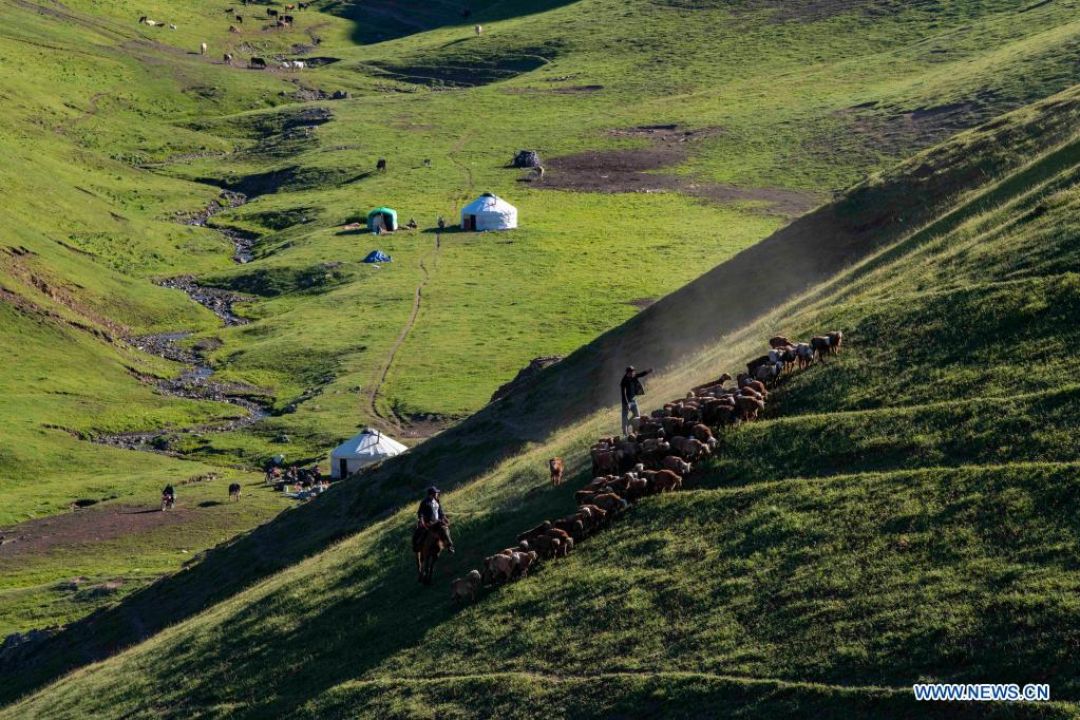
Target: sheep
546 545
202 48
522 562
702 432
496 567
466 587
556 468
753 365
610 503
821 345
690 449
804 355
676 464
572 524
748 407
536 531
665 481
479 29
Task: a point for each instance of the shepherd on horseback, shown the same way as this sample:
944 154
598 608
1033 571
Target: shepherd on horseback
431 536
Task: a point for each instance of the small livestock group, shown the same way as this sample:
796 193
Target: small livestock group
652 459
278 19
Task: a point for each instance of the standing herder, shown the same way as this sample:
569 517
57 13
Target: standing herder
629 388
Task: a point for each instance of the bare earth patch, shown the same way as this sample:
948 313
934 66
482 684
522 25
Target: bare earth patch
639 170
83 526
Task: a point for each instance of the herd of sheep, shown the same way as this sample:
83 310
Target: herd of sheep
654 458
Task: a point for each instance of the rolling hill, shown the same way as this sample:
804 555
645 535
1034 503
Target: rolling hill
904 513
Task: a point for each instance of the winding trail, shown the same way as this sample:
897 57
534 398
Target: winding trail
403 424
418 296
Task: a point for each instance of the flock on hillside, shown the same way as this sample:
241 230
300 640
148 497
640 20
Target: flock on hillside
276 19
654 458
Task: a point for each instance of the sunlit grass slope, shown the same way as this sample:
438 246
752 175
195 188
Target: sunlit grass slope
906 512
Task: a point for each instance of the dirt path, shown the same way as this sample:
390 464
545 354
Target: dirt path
397 420
404 425
35 537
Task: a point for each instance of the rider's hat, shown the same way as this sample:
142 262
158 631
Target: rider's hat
433 490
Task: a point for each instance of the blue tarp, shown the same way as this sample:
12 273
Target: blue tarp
377 256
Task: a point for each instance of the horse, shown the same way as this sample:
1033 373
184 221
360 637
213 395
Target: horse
434 541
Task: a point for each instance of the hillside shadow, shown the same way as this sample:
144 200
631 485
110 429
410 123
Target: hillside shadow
700 314
382 20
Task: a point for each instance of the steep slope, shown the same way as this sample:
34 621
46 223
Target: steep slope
903 532
675 136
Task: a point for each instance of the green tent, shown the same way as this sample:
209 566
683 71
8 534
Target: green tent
382 217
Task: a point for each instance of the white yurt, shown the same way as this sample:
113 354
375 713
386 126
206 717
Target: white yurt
488 212
359 451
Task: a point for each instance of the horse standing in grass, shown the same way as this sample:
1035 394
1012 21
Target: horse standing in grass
435 540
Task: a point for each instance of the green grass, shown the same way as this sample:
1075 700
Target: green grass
905 514
111 128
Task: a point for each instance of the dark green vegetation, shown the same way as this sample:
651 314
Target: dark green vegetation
906 513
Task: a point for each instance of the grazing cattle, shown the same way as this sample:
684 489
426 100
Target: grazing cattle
779 342
702 432
234 492
202 48
301 6
556 468
465 588
239 19
675 464
233 29
836 339
270 12
228 59
380 166
257 63
290 7
287 19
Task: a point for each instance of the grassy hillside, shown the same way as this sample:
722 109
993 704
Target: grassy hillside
906 513
675 136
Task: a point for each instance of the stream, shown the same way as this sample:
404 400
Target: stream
196 381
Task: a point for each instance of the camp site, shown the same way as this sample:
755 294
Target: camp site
584 359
